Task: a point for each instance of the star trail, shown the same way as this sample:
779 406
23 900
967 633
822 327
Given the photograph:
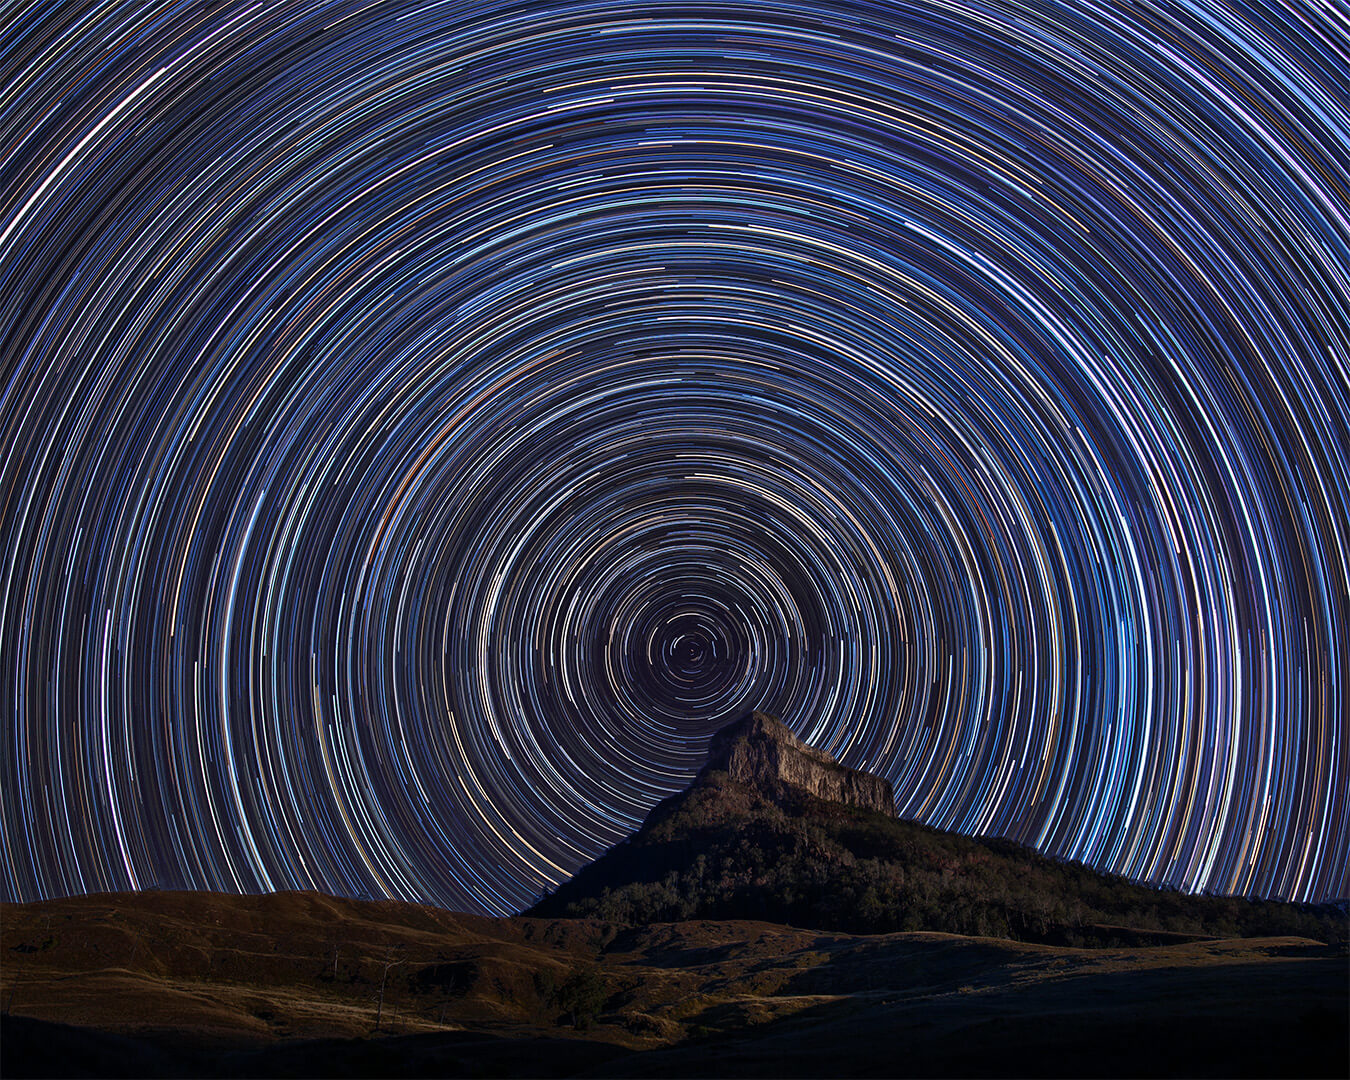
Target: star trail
424 424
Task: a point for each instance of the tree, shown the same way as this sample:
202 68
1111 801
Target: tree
581 997
389 962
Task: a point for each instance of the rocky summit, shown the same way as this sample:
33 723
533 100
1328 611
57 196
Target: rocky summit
774 829
762 752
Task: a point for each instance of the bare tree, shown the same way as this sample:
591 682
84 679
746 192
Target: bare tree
447 991
389 962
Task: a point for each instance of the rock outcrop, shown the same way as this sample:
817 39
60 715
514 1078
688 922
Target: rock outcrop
762 752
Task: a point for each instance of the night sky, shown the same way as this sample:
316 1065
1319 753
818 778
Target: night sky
424 424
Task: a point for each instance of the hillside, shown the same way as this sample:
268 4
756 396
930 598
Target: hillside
289 984
774 919
752 838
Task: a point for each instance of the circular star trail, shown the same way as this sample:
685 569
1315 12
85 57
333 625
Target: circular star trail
424 424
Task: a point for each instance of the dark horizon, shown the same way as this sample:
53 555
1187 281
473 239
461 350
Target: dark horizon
1339 902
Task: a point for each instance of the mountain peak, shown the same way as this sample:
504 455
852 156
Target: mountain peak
760 751
761 834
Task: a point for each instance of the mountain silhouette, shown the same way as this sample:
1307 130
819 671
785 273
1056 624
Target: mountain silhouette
718 945
775 830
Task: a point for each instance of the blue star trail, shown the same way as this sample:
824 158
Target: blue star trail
423 425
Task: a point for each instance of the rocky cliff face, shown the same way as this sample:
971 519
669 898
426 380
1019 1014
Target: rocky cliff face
761 752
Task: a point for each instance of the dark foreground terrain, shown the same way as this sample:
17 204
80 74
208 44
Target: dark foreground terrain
774 919
175 984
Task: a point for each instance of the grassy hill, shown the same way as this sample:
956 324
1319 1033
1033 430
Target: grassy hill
750 928
298 984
